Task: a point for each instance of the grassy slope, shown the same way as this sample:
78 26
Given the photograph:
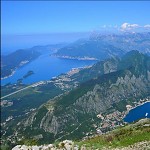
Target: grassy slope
121 137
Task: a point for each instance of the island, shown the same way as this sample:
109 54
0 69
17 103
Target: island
11 62
29 73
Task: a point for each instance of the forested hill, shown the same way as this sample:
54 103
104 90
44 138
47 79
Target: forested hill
104 46
76 111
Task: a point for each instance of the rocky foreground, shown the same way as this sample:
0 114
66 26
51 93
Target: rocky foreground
70 145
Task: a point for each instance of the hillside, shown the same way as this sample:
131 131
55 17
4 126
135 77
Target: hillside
100 46
18 58
130 137
127 41
73 115
89 50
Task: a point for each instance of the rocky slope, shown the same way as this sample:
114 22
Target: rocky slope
66 115
115 140
89 50
102 90
100 46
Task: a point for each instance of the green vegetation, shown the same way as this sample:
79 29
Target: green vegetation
101 94
121 106
41 113
90 48
36 137
17 57
28 99
68 99
121 137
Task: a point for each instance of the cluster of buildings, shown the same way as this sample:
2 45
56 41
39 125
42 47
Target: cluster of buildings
6 103
109 121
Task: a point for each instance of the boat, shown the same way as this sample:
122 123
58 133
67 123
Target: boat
146 114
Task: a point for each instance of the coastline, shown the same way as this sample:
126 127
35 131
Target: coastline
71 71
22 63
76 58
13 72
138 105
9 75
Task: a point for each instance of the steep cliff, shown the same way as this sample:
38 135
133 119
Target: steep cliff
72 115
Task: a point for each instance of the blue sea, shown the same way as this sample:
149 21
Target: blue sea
138 113
45 67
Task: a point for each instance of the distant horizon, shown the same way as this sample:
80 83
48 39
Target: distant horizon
11 43
29 23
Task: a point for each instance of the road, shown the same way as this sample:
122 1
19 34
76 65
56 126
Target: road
71 131
36 84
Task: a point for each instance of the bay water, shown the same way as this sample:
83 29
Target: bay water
45 67
139 112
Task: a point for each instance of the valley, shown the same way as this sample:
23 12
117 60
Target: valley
114 140
79 104
75 75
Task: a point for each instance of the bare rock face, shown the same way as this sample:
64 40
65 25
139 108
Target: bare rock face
17 147
49 123
117 81
110 66
70 145
93 102
30 119
64 145
99 99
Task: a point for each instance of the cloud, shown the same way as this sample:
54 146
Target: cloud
147 26
128 26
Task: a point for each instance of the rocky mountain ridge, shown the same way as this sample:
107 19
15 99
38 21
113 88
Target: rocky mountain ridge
65 113
96 102
100 46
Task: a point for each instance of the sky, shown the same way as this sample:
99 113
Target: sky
23 19
36 17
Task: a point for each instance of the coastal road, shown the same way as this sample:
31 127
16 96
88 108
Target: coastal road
20 90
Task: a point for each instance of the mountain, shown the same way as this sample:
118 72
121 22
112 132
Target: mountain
105 46
89 50
99 100
126 41
10 62
117 139
16 59
52 48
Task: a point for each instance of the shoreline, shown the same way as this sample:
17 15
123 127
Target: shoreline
13 72
70 72
9 75
138 105
76 58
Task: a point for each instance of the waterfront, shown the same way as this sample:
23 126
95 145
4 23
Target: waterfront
139 112
45 67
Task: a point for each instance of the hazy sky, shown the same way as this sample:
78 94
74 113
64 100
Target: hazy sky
40 17
28 23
